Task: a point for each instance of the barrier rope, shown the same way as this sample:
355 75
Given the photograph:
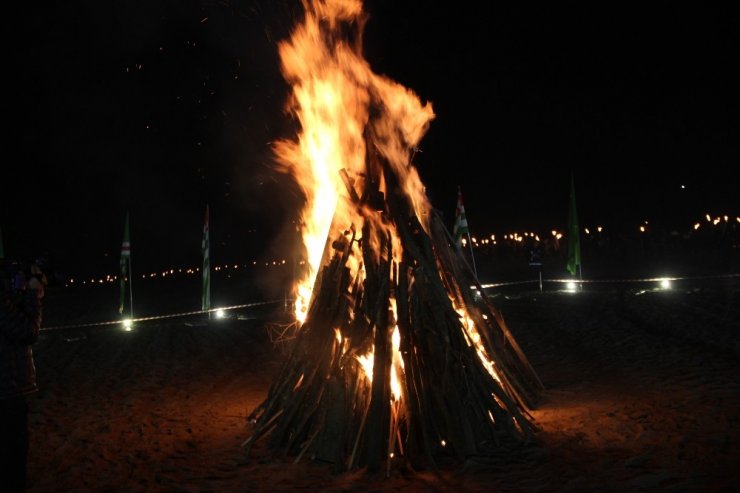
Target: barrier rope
611 281
484 286
160 317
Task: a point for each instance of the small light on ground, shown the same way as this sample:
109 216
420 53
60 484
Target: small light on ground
220 313
665 284
570 286
128 324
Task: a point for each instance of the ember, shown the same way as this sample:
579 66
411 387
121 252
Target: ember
396 359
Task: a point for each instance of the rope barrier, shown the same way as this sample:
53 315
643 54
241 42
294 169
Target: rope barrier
611 281
161 317
484 286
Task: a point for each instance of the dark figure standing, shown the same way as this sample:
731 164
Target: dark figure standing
20 320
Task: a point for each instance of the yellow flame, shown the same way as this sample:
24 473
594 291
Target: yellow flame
367 363
333 89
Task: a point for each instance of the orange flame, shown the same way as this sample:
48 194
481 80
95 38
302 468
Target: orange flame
333 90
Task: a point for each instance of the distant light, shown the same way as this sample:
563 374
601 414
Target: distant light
665 284
726 218
599 229
570 286
127 324
696 226
642 229
683 187
709 218
443 443
587 231
716 221
220 313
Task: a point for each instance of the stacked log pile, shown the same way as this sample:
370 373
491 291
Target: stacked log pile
436 389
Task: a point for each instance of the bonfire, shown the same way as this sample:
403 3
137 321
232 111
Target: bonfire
397 357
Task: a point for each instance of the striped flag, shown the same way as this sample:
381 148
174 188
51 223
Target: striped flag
125 262
461 223
206 303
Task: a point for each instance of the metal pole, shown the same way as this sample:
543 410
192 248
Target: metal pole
130 286
472 257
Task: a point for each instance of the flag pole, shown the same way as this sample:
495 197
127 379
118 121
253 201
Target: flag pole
206 274
461 228
126 270
472 257
130 288
574 241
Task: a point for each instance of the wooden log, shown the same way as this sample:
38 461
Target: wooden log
379 400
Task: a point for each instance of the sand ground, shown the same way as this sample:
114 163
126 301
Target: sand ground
643 394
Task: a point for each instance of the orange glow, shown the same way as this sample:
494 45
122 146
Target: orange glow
473 339
367 361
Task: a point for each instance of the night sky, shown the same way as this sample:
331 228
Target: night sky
159 107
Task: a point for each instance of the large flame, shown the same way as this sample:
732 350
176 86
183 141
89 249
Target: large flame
333 89
358 132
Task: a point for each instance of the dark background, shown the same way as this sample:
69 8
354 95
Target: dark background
159 107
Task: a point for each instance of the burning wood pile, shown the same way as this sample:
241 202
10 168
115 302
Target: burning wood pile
396 358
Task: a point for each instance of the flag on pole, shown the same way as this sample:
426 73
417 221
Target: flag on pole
125 262
574 239
461 228
461 222
206 303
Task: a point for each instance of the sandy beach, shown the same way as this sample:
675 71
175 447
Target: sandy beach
642 395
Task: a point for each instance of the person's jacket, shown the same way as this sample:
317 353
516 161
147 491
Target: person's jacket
20 321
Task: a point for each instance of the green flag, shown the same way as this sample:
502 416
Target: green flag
574 238
205 246
125 262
